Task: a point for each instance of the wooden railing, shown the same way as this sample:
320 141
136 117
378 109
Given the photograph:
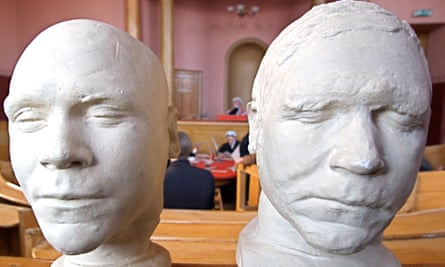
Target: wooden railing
204 131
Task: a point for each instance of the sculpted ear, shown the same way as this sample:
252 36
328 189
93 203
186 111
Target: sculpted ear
173 149
255 130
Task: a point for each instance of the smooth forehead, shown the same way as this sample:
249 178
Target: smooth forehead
91 57
88 42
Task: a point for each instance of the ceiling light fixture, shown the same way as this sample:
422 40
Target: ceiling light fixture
242 11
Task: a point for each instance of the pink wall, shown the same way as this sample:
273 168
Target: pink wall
435 25
150 16
205 31
404 10
25 19
8 31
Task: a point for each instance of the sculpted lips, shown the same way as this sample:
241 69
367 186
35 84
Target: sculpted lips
319 209
70 209
67 203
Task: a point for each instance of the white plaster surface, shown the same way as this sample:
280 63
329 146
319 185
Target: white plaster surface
90 137
338 120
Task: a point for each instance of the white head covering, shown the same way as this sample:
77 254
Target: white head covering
237 98
231 133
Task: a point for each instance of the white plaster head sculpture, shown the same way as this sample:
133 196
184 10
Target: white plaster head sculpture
338 121
90 135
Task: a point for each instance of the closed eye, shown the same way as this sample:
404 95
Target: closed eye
402 122
106 115
29 119
315 116
310 113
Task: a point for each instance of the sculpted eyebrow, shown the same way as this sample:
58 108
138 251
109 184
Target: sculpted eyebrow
91 99
312 104
111 102
13 104
404 109
103 99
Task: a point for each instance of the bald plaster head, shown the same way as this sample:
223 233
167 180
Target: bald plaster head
339 119
89 133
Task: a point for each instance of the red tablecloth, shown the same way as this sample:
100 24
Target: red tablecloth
221 169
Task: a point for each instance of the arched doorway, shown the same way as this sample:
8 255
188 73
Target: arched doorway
243 60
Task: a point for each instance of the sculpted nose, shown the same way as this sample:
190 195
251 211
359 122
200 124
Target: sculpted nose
67 158
359 148
63 148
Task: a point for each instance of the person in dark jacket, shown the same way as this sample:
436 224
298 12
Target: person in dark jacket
245 157
186 186
231 148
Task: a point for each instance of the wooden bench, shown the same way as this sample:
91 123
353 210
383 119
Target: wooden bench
204 238
29 262
417 237
430 190
11 192
4 141
15 216
210 237
14 222
23 262
193 237
428 193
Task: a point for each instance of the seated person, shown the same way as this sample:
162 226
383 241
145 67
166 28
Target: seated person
231 148
237 109
245 157
186 186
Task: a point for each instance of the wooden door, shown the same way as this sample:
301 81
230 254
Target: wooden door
188 94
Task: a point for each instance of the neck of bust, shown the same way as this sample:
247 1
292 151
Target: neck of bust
139 254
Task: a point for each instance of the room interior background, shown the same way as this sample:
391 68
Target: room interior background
216 52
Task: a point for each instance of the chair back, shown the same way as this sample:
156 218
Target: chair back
248 187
